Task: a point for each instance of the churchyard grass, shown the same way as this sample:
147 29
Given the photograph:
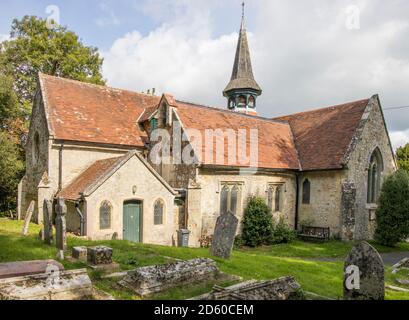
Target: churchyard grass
318 267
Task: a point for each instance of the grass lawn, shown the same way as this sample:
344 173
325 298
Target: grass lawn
305 261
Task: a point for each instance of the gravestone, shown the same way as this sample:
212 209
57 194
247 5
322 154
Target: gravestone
80 253
224 235
27 268
364 274
99 255
48 226
61 227
27 218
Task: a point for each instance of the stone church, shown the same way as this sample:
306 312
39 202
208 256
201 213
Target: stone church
91 146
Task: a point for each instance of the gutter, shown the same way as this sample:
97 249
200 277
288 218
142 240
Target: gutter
82 218
297 201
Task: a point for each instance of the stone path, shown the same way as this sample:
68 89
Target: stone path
389 259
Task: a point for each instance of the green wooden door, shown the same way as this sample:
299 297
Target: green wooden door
132 221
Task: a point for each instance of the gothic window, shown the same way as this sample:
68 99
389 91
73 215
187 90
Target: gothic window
270 197
229 199
277 199
105 212
158 212
224 198
306 192
36 147
374 176
234 199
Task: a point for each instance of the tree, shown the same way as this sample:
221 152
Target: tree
403 157
393 211
257 223
11 171
34 48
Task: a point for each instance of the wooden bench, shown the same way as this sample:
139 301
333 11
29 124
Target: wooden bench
315 233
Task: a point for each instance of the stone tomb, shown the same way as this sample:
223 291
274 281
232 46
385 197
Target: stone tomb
51 285
364 274
27 268
80 253
224 235
149 280
285 288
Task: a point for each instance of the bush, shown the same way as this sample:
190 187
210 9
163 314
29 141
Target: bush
282 234
393 210
257 223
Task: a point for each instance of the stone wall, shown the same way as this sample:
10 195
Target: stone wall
118 189
371 135
251 185
324 209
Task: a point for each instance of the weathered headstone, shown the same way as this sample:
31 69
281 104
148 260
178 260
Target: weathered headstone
27 218
99 255
224 235
364 274
48 226
61 227
26 268
148 280
80 253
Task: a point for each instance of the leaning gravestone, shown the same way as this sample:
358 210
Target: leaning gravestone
61 227
364 274
48 226
27 218
224 235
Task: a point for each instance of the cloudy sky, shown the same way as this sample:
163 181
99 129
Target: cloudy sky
306 54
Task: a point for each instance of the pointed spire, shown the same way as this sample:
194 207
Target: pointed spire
242 75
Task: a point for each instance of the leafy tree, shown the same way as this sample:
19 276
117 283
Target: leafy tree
393 211
34 48
257 223
403 157
11 171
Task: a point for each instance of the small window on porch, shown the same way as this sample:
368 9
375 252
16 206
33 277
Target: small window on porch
374 176
105 212
158 212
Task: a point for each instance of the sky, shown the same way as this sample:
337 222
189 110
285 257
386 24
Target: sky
306 54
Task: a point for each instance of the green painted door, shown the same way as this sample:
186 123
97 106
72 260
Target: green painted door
132 221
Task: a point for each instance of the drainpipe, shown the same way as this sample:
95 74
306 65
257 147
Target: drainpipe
297 201
82 219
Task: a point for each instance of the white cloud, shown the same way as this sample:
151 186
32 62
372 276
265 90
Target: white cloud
4 37
399 138
303 54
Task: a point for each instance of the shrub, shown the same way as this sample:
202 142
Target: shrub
257 223
282 233
393 210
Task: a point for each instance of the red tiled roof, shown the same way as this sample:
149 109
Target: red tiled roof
323 136
89 113
275 142
87 178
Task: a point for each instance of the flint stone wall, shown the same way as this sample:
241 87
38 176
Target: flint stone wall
149 280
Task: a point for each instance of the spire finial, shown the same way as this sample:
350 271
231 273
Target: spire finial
243 5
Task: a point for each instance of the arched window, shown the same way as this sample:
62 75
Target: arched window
224 198
270 193
252 102
306 192
374 176
234 199
231 103
277 207
242 101
105 212
36 147
158 212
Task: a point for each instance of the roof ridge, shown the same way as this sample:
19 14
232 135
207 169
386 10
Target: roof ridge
271 120
323 108
99 86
